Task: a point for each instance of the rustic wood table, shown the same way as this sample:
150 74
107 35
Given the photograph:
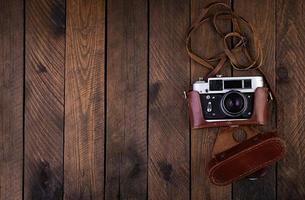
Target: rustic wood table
92 107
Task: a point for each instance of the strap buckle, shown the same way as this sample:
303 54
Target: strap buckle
270 96
245 42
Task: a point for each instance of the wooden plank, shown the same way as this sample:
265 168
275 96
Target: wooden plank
168 165
290 73
261 14
206 42
11 99
126 149
84 100
44 99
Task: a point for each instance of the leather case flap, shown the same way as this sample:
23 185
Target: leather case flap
246 158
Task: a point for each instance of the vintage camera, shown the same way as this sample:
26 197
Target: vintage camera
228 98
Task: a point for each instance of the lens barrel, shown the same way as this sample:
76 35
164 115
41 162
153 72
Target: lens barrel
233 103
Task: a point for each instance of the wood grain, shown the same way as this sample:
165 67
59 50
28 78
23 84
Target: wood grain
206 42
142 125
84 100
127 77
44 99
290 73
11 99
168 167
261 14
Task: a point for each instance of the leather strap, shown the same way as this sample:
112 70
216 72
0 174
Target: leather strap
213 13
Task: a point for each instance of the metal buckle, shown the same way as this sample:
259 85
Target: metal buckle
252 178
270 96
245 42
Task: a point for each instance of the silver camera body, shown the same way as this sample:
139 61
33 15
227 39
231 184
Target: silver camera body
228 98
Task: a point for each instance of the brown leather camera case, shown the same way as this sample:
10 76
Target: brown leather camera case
259 115
246 158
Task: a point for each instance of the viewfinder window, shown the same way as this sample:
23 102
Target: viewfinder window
233 84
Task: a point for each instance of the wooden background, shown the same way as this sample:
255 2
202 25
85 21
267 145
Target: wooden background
91 99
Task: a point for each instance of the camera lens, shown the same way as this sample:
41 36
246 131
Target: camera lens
233 103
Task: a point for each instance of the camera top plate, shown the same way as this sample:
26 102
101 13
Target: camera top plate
218 85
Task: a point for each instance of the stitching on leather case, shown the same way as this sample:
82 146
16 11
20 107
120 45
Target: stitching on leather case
279 146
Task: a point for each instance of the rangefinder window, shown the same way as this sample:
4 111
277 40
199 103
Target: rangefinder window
234 84
216 85
247 83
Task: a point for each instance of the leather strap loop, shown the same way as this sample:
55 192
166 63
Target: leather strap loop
230 54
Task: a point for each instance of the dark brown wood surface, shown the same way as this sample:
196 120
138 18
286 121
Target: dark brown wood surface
169 76
11 99
84 100
127 78
44 99
92 106
290 73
